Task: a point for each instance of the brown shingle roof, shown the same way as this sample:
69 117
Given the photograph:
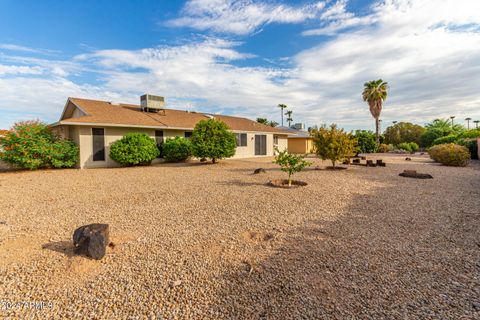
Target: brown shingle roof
106 113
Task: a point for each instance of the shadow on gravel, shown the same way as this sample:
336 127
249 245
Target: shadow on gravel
65 247
382 259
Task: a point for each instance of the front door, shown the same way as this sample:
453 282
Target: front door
260 145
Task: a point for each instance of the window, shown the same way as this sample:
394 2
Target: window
275 140
159 141
188 134
98 138
241 139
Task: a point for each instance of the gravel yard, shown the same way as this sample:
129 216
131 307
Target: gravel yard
196 241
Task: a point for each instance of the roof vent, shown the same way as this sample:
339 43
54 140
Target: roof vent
209 116
151 103
114 103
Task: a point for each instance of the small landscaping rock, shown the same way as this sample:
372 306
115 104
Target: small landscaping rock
91 240
415 174
259 170
476 306
175 283
408 159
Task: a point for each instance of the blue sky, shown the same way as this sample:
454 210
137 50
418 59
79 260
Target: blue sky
243 57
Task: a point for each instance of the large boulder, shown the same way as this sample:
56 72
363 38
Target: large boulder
91 240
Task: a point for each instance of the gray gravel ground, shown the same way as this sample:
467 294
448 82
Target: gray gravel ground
214 242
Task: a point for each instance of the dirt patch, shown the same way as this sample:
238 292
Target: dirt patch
283 183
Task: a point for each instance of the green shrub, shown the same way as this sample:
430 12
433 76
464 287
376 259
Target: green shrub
333 144
414 147
404 146
177 149
290 163
469 134
32 145
212 139
450 154
451 138
134 149
365 141
471 145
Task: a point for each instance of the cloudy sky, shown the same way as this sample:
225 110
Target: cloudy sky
243 57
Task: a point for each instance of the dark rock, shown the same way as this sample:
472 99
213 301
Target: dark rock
91 240
408 159
476 305
415 174
371 164
259 170
380 163
356 161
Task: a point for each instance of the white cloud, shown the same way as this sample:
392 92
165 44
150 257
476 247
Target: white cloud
15 70
241 17
17 48
426 50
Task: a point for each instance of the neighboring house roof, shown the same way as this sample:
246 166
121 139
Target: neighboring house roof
295 133
119 114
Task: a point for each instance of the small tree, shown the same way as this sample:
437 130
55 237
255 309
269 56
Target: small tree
134 149
333 144
366 141
212 139
290 163
32 145
177 149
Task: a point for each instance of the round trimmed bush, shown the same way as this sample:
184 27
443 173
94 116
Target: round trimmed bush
471 145
450 154
134 149
177 149
414 147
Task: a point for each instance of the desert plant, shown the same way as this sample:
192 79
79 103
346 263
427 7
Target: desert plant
414 147
375 93
290 163
333 144
134 149
32 145
383 148
404 146
212 139
177 149
365 141
450 154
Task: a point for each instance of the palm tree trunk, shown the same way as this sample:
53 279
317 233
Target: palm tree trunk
377 130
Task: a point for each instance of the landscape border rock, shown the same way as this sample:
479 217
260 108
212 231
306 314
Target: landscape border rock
415 174
259 170
283 183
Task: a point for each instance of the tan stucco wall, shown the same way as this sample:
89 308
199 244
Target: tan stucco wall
82 135
300 145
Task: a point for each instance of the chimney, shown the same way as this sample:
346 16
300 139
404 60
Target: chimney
151 103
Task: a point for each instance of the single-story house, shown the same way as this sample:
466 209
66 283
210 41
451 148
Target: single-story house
94 125
299 141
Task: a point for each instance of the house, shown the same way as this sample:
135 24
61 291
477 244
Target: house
299 140
94 125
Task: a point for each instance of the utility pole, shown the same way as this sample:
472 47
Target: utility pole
452 117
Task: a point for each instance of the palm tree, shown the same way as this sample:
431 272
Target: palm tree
282 106
273 123
289 115
468 122
476 123
374 93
